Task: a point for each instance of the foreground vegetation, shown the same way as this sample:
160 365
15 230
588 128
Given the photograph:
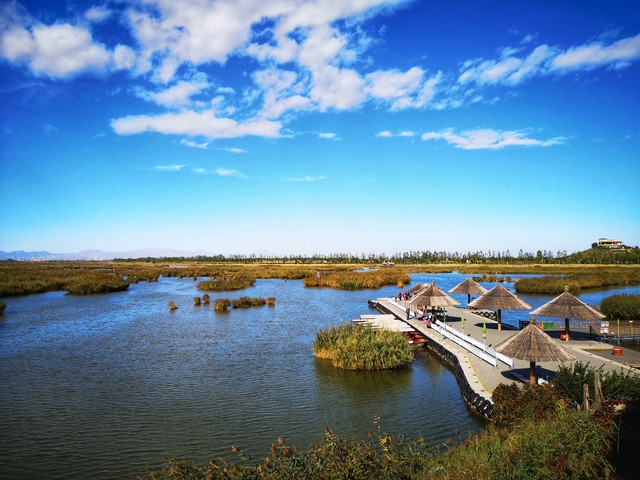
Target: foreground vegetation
536 435
362 347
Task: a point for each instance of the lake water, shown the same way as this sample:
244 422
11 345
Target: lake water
103 386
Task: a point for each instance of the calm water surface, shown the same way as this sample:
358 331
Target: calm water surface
103 386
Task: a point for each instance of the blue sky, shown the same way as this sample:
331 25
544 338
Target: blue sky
319 126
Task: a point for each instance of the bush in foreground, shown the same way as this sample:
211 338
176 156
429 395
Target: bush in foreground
362 347
621 306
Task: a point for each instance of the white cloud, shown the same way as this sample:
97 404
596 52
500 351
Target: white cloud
60 50
190 143
194 124
407 134
304 179
488 139
230 173
327 135
233 150
384 133
596 54
97 14
390 85
169 168
180 94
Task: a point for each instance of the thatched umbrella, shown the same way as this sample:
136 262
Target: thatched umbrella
470 287
499 298
567 306
532 344
416 288
432 296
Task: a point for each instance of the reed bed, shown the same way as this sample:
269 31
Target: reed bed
2 307
362 348
579 280
197 301
358 280
248 302
226 284
621 307
493 279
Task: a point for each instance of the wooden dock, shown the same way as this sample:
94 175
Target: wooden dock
476 376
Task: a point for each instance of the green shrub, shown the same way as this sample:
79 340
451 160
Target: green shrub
206 299
615 385
197 301
622 306
514 404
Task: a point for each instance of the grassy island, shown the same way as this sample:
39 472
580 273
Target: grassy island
358 280
226 284
362 348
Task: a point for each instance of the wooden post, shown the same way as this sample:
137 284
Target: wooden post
597 387
532 373
566 329
585 394
499 321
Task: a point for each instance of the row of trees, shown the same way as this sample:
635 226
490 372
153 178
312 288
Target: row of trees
592 256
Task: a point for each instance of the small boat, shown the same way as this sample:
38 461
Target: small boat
416 339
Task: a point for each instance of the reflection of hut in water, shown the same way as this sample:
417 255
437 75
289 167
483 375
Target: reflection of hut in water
532 344
499 298
470 287
567 306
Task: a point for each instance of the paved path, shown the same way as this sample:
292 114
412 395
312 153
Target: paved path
483 377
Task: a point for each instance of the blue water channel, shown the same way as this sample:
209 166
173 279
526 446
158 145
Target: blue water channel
106 385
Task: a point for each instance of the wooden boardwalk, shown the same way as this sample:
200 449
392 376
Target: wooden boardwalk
481 378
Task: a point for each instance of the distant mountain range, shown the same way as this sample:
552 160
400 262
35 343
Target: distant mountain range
93 255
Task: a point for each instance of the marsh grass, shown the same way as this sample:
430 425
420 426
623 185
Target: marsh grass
362 347
221 304
226 284
595 277
358 280
197 301
172 305
2 307
206 299
247 302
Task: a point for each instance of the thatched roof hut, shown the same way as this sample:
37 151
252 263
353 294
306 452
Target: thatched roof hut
432 296
532 344
499 298
416 288
567 306
470 287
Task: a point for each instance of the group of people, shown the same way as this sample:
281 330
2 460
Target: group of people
402 296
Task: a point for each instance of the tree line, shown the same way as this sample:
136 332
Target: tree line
597 255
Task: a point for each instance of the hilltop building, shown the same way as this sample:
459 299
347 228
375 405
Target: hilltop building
607 242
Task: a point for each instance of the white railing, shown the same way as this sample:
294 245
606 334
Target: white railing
464 344
499 356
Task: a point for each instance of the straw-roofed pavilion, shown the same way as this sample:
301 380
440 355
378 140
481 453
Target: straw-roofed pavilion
567 306
470 287
432 296
532 344
499 298
416 288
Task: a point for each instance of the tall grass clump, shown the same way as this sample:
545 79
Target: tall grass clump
621 307
2 307
226 284
247 302
206 299
271 301
362 348
358 280
221 305
197 301
597 277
